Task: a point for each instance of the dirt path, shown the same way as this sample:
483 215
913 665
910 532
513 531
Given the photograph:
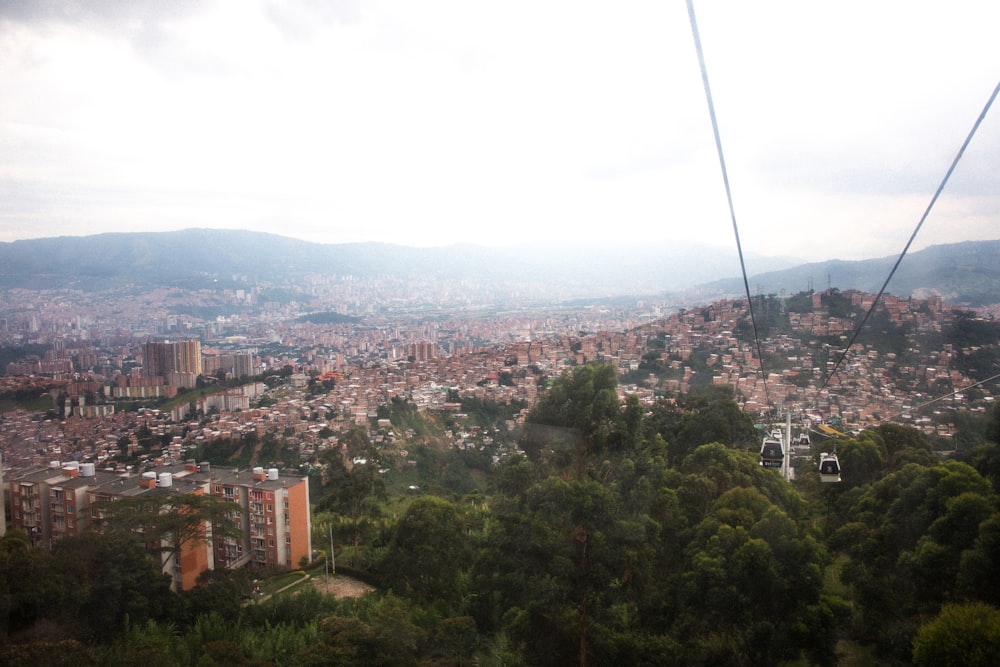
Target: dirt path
340 586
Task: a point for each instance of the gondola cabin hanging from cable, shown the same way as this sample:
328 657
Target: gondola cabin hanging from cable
829 467
771 455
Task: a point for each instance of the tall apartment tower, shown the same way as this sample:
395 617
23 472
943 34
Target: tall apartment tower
180 361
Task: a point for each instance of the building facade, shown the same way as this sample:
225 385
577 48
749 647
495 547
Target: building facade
270 511
178 361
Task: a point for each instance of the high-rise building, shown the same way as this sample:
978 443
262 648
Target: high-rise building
181 359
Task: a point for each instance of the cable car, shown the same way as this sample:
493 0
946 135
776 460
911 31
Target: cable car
829 467
771 455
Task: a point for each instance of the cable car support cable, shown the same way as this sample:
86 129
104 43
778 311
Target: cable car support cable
940 188
729 193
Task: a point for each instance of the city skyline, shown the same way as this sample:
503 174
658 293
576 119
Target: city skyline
449 123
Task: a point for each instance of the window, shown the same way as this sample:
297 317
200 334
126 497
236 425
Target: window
288 539
69 509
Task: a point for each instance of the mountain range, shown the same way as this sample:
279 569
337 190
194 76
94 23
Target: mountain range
964 273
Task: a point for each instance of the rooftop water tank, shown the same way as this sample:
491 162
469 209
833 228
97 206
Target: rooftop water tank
272 473
166 479
87 470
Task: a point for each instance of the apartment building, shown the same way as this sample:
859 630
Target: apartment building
273 514
178 362
235 364
271 511
50 503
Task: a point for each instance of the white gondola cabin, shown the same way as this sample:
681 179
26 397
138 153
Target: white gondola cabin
829 467
771 455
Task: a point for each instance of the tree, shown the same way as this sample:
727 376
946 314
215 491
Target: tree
547 571
30 584
166 522
353 483
575 420
711 415
115 583
914 537
902 443
750 570
862 459
978 566
428 553
993 426
961 635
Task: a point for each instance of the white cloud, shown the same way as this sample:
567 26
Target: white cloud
437 122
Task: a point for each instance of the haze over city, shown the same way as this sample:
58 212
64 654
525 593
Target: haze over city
435 123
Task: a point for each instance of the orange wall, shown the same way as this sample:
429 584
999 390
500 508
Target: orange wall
194 556
298 515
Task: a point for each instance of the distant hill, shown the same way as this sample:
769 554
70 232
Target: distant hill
197 257
964 273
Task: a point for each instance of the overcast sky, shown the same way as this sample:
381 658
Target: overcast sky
431 123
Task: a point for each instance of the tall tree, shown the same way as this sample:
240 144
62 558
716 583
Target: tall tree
961 635
575 420
31 585
167 522
116 583
353 484
914 538
429 552
570 554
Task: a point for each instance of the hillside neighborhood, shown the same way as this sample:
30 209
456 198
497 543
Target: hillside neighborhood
335 376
